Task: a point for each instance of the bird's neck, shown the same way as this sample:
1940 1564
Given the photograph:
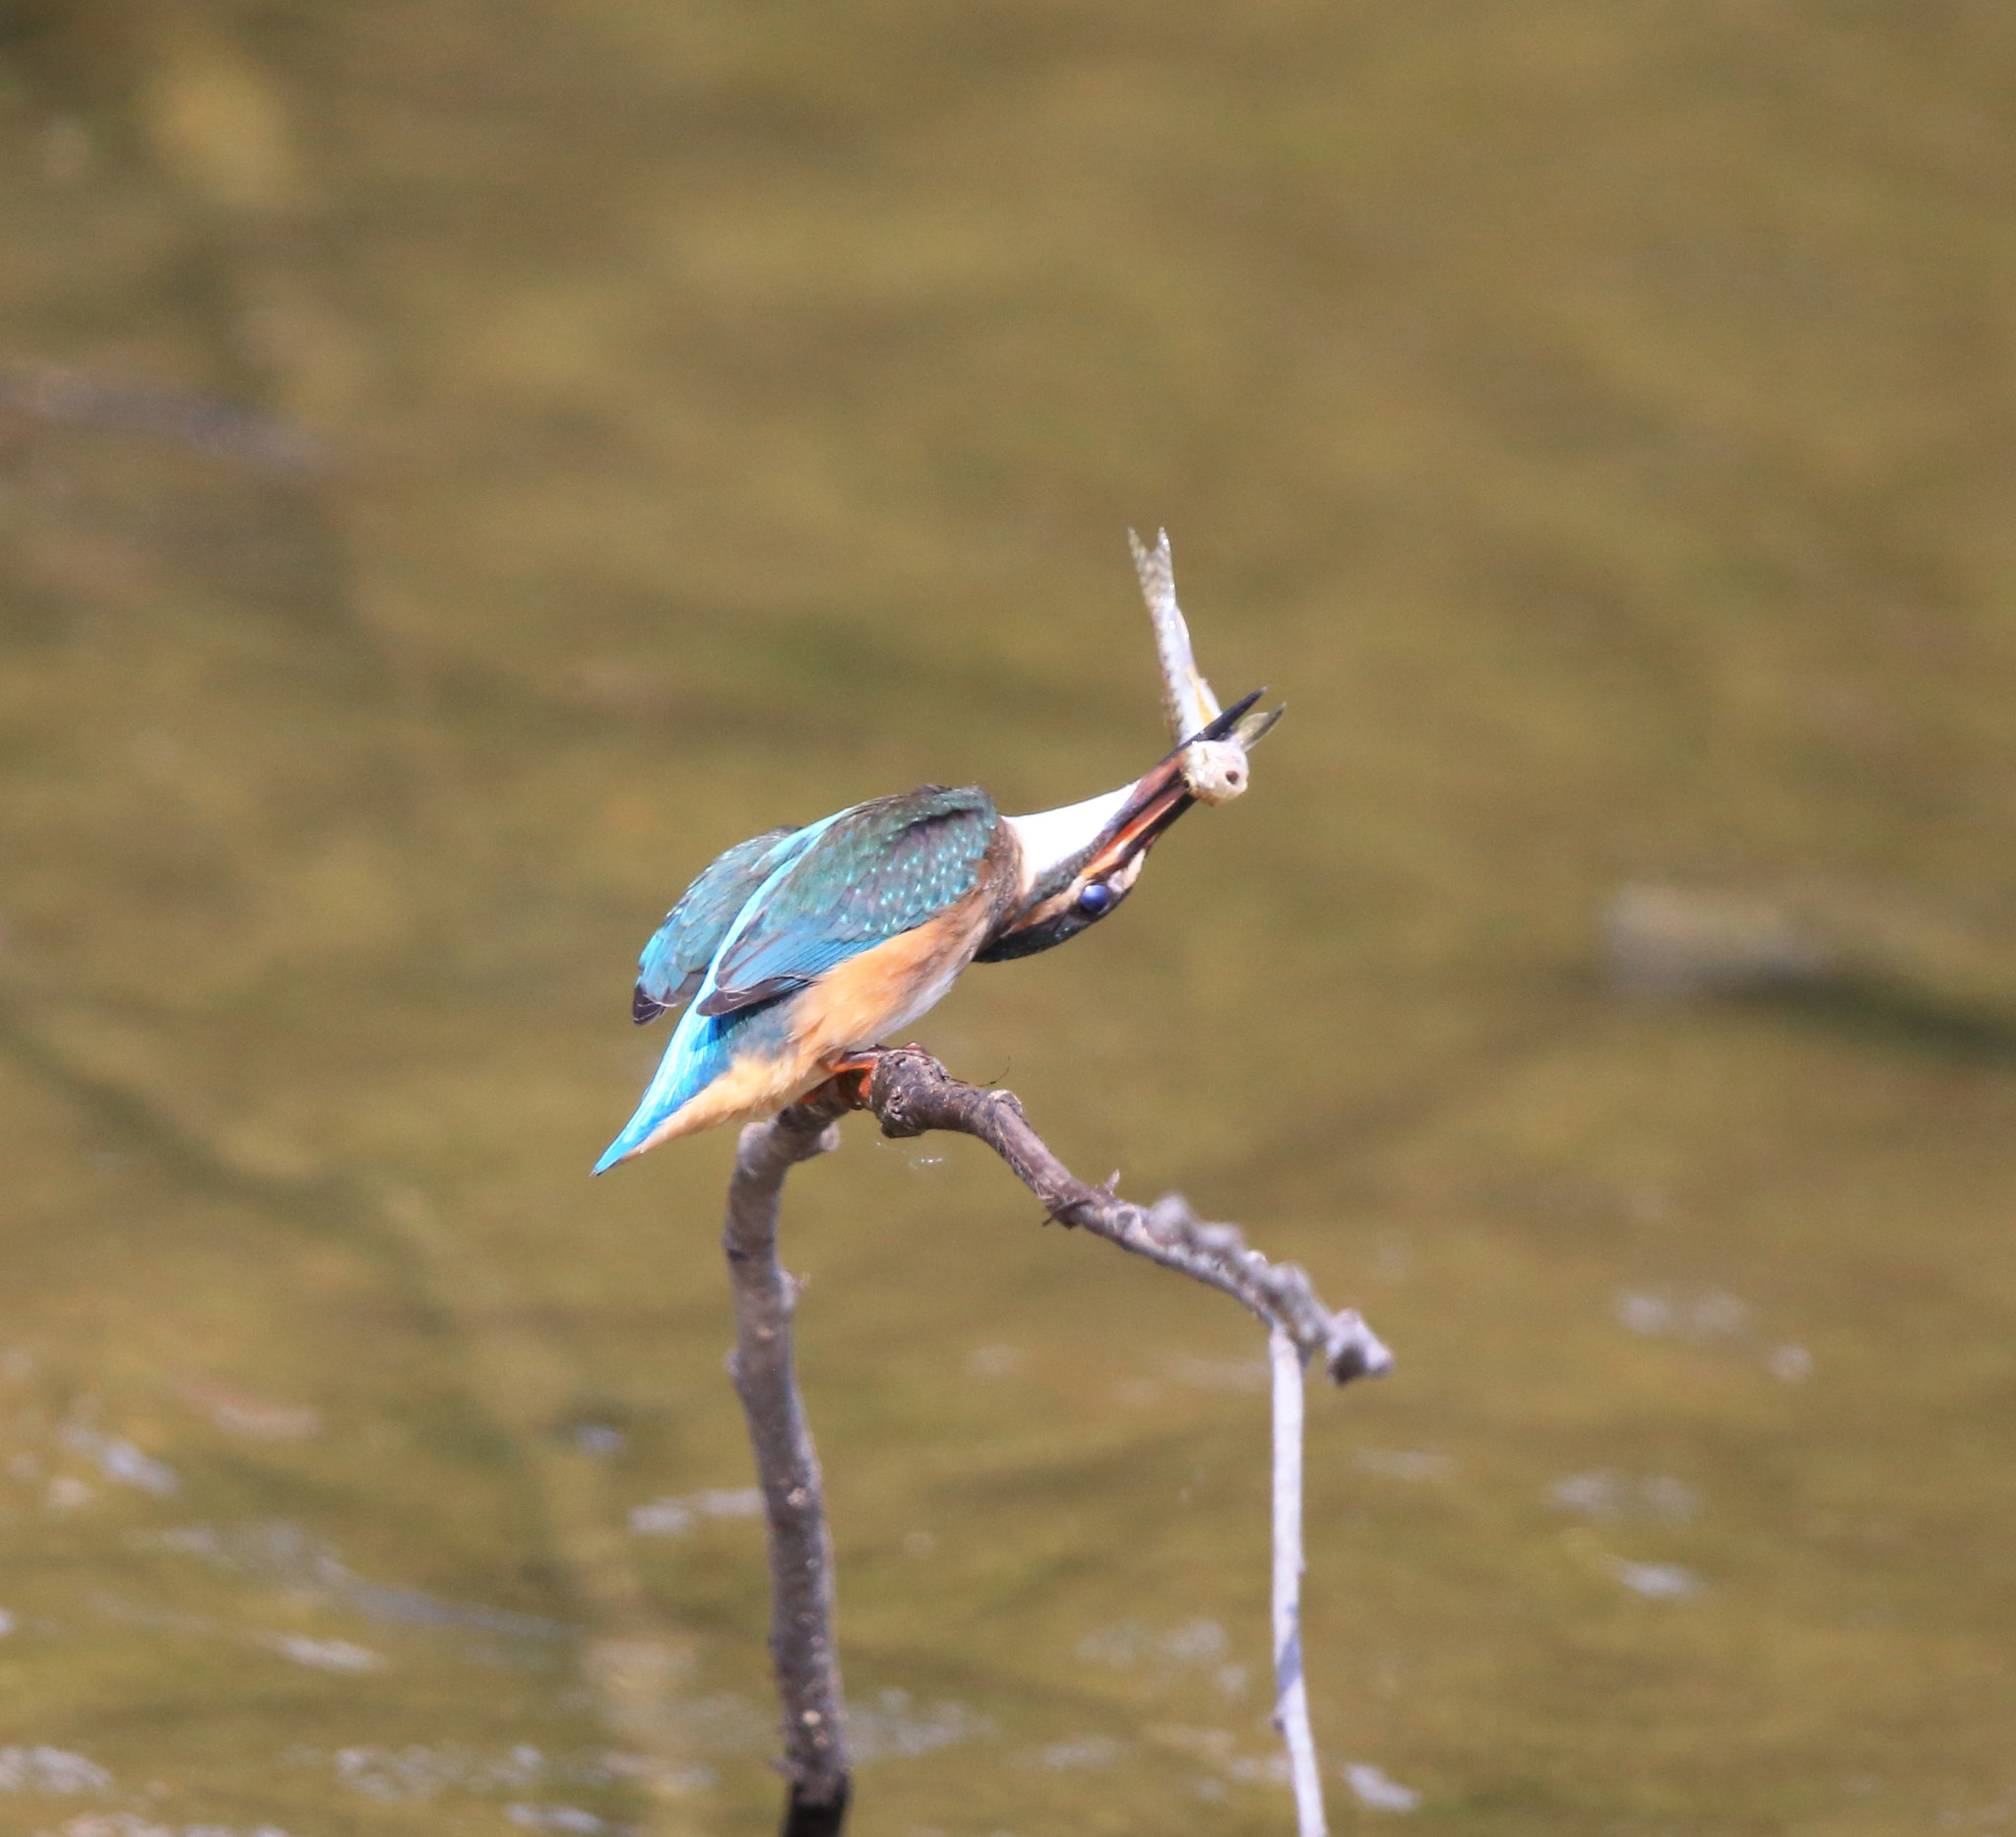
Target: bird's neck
1051 840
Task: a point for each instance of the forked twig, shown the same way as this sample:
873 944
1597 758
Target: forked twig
911 1093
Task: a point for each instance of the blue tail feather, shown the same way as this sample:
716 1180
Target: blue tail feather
704 1045
701 1048
693 1059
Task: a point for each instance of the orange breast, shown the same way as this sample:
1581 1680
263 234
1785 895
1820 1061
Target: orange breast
858 1003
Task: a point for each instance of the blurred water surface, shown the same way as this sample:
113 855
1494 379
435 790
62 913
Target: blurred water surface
461 466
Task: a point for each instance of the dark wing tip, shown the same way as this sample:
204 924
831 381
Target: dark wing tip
733 1000
646 1007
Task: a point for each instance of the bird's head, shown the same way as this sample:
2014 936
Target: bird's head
1078 863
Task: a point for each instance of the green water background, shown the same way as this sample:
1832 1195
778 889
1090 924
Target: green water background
461 465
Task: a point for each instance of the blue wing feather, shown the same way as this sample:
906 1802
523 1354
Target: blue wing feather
875 871
675 963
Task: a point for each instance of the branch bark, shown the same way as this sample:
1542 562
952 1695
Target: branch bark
910 1093
801 1642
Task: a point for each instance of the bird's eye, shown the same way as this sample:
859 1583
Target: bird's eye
1094 898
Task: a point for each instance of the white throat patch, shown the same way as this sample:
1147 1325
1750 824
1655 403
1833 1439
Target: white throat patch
1052 837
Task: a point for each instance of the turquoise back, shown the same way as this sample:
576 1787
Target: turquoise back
876 871
674 962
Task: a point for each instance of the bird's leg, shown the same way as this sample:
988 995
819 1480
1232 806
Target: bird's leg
845 1088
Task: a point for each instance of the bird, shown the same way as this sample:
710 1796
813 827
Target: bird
793 953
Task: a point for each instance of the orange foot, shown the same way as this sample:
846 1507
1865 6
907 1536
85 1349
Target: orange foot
850 1076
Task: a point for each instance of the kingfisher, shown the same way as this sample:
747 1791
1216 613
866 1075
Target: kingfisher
795 952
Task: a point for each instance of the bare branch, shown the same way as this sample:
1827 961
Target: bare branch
911 1093
801 1642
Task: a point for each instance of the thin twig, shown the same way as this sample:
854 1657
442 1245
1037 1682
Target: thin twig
801 1642
1290 1693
